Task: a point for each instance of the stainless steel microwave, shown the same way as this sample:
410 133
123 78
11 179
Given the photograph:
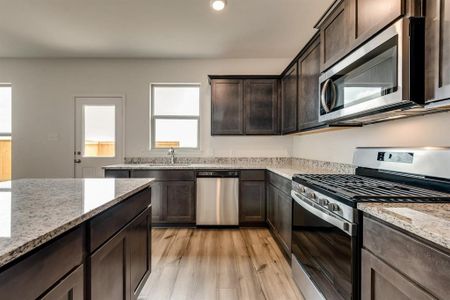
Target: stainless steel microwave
384 74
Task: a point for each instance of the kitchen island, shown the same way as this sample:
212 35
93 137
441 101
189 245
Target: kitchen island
75 238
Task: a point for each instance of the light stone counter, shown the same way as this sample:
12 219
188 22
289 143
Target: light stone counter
34 211
428 221
286 171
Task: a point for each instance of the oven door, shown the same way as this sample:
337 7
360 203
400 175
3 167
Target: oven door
374 78
324 252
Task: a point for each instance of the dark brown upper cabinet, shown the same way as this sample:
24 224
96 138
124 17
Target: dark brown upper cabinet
371 16
437 54
334 27
261 106
308 86
349 23
244 105
227 107
289 98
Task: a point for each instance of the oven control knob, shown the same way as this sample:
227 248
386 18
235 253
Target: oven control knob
301 189
333 207
311 195
323 202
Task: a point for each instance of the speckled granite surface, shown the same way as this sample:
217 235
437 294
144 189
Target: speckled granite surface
429 221
285 167
33 211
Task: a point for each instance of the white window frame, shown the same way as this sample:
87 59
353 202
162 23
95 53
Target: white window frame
178 117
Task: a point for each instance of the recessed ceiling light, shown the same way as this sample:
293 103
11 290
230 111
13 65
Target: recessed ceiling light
218 4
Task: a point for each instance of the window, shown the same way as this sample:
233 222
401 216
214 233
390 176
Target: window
99 131
5 132
175 116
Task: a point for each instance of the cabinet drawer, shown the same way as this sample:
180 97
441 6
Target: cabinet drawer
280 182
117 173
253 175
164 175
31 277
105 225
422 263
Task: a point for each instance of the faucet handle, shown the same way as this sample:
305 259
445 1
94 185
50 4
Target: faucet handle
171 151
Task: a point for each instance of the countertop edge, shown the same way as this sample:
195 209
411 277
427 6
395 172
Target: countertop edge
29 246
431 237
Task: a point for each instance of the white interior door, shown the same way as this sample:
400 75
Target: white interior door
98 134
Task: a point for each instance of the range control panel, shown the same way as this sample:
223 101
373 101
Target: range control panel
397 157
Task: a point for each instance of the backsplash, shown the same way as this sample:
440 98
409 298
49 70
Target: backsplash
253 161
280 162
333 167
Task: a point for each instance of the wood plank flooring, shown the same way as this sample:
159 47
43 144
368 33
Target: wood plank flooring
210 264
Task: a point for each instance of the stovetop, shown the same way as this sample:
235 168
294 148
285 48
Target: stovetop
356 188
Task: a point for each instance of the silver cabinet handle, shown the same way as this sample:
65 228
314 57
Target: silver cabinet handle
322 96
77 161
347 227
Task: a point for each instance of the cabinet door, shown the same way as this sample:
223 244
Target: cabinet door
179 201
261 106
227 105
380 281
284 219
110 270
334 31
371 16
157 199
139 246
289 101
70 288
271 197
308 99
437 54
252 202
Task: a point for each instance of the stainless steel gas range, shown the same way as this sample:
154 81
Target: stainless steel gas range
326 235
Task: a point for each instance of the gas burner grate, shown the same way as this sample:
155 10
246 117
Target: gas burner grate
359 188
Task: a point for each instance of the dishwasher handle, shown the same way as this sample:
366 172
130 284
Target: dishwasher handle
218 174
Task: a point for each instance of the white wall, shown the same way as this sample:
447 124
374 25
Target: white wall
43 106
338 146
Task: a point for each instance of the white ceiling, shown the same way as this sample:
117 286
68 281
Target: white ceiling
156 28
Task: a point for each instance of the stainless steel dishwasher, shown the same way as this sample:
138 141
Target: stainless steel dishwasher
217 198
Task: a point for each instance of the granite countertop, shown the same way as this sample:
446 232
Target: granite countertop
285 171
34 211
428 221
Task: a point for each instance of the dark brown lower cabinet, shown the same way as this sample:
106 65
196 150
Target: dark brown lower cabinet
173 196
179 201
380 281
284 219
120 267
279 212
140 248
109 270
397 265
70 288
34 275
173 202
252 203
271 198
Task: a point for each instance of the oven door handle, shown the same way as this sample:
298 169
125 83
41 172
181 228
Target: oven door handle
347 227
323 92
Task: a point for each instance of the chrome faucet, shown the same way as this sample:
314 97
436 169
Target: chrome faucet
172 155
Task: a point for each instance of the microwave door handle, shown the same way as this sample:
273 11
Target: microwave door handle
347 227
323 99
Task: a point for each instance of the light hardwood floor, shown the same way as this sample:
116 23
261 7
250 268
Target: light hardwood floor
210 264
